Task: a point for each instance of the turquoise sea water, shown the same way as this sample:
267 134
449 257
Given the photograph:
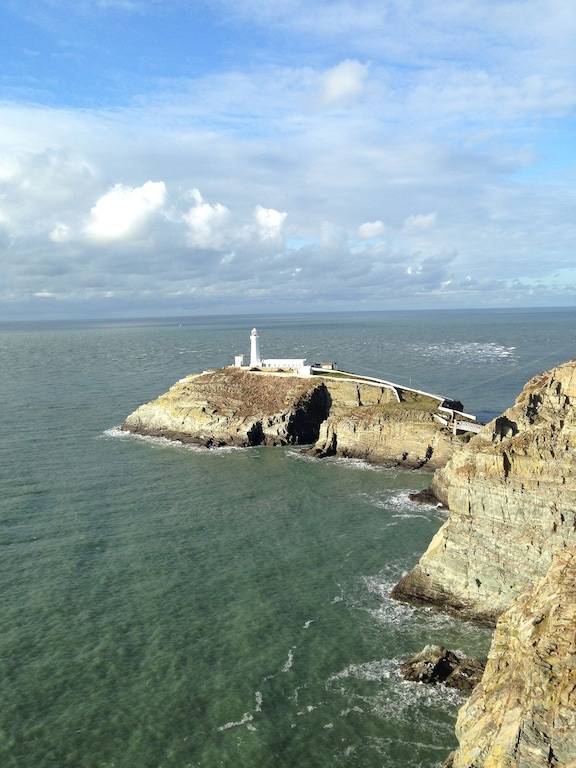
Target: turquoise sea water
172 607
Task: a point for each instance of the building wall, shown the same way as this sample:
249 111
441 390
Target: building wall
283 362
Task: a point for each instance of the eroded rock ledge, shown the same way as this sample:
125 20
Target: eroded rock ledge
511 491
233 406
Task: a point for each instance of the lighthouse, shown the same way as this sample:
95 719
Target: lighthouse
255 358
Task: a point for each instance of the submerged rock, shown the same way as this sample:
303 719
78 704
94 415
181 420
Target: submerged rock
523 712
435 664
427 496
511 491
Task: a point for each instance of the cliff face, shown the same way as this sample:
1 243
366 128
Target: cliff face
408 438
232 406
523 712
235 407
511 492
368 422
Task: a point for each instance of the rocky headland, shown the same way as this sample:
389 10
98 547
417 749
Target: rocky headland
507 553
523 712
511 492
332 413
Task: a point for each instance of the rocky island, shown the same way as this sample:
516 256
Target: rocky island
283 401
511 492
335 414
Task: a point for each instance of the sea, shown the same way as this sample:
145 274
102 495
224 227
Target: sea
168 606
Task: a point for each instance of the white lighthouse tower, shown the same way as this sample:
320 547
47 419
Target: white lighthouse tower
255 357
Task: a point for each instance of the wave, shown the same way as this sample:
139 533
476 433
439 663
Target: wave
375 671
402 500
470 351
247 717
352 463
342 461
308 623
259 699
394 694
396 614
119 433
401 506
289 663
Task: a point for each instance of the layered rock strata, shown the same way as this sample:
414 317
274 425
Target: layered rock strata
368 422
232 406
523 712
511 491
235 407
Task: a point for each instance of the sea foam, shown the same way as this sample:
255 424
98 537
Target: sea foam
164 442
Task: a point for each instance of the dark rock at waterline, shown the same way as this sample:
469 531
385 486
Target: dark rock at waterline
427 496
436 664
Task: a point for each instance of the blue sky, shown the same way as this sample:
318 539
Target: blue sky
185 156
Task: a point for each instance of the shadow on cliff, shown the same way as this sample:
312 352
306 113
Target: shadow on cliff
304 424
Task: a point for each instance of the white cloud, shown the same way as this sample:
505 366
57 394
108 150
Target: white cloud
269 223
61 233
208 224
371 229
344 81
419 222
123 210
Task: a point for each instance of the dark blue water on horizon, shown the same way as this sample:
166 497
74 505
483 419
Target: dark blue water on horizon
172 607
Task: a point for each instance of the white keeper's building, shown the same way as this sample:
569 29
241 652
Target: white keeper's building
296 364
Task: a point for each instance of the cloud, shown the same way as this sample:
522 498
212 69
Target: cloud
344 81
269 223
61 233
212 226
418 222
325 175
123 211
371 229
208 225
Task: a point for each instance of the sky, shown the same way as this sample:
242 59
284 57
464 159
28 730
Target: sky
165 157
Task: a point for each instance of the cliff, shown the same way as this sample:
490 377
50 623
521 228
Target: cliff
232 406
368 422
511 492
523 712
